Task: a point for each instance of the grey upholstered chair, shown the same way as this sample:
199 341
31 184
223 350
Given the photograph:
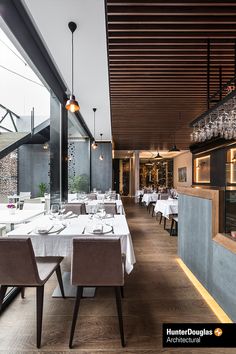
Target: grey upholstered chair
110 208
97 263
19 267
76 208
92 196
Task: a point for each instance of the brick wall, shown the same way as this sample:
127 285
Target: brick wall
8 174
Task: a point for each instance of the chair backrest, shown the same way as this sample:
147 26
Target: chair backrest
34 200
92 196
164 196
17 262
24 195
76 208
34 206
97 262
110 208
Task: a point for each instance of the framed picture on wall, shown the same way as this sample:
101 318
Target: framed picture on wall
182 174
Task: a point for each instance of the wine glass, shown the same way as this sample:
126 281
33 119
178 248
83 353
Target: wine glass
54 210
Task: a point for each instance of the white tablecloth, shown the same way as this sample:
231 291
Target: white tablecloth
150 197
166 207
19 217
61 244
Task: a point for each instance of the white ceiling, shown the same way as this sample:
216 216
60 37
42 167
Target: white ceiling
91 81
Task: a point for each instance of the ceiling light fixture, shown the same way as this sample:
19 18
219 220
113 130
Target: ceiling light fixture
71 104
101 157
158 157
174 147
94 144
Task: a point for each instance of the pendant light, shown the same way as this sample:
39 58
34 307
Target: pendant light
94 144
101 157
158 157
71 104
174 147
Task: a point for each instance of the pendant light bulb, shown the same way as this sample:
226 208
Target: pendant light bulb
101 157
72 104
94 144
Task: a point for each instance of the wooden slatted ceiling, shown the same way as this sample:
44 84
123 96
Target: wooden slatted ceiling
158 66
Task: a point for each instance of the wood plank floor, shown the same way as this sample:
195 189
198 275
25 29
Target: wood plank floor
156 291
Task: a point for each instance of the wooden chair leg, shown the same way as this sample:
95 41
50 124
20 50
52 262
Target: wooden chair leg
119 311
22 292
59 278
75 314
176 228
153 208
122 292
172 226
40 292
3 290
164 223
160 219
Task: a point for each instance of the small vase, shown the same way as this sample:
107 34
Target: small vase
12 211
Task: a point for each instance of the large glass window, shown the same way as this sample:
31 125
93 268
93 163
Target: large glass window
78 157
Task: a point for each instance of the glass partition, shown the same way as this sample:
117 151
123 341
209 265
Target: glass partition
78 158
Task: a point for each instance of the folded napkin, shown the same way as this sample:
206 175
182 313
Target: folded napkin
44 229
98 229
68 214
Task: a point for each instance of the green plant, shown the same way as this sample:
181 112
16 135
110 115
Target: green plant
42 189
79 183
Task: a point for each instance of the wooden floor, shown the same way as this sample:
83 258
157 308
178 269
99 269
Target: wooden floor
156 291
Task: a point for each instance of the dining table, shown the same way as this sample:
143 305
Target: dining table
166 207
58 240
149 197
17 216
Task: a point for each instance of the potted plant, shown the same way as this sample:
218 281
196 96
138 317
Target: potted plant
42 189
12 208
79 183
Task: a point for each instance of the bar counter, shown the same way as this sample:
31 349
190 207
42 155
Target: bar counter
209 254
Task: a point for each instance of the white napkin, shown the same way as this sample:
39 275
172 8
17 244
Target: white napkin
68 214
98 229
44 228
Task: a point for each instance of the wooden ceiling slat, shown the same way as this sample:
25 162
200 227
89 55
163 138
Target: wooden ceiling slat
158 66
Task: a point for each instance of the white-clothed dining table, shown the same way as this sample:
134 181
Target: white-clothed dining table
60 244
150 197
166 207
91 205
19 216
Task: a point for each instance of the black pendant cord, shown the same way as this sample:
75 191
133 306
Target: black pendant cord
72 69
101 144
94 111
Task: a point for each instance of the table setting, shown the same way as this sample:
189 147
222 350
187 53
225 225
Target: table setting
52 236
166 207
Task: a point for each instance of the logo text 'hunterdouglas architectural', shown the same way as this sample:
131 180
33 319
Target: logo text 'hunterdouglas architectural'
199 335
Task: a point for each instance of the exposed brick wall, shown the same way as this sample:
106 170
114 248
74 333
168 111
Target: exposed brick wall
8 174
